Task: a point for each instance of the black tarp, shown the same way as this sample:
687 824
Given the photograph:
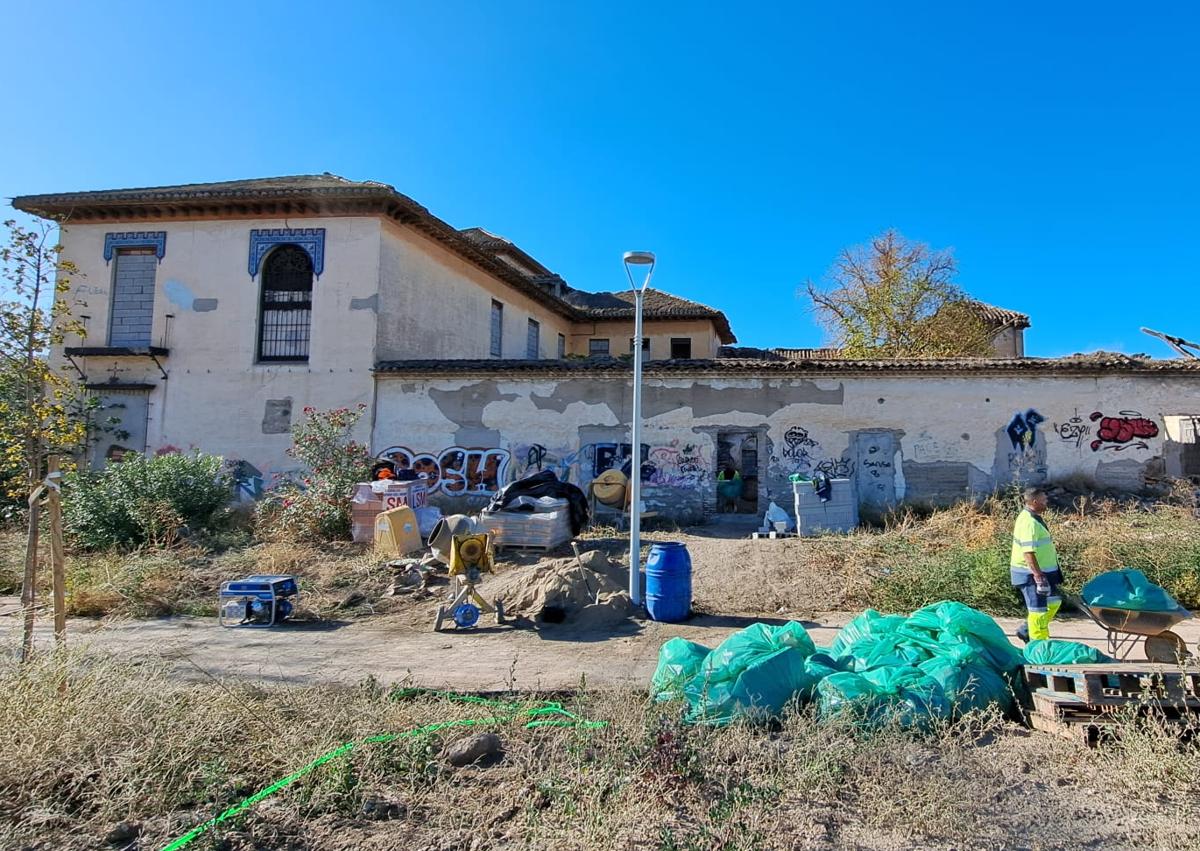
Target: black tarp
545 483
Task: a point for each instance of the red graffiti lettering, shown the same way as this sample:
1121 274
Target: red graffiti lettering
1122 430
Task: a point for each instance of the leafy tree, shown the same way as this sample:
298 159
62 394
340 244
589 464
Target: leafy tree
41 409
893 298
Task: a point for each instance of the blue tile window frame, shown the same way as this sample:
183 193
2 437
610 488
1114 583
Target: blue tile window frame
156 239
312 240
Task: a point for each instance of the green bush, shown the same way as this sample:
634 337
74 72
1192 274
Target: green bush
145 500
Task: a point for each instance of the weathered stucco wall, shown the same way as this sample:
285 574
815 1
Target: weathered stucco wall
702 333
910 439
433 304
206 313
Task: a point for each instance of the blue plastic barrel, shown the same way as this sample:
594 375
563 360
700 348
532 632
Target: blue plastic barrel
669 582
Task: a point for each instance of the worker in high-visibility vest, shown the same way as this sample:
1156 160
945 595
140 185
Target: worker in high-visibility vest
1033 567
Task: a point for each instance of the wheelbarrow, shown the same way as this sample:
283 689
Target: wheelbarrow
1124 628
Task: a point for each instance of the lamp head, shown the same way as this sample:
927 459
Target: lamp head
639 258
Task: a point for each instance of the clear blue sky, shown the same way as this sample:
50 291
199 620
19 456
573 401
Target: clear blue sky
1054 146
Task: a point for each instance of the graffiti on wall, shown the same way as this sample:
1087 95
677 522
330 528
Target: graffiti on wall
802 454
1073 430
1127 430
1022 428
456 470
1025 457
247 478
673 465
796 442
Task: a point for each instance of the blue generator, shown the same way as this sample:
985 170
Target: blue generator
260 600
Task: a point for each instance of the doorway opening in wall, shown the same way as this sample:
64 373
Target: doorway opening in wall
737 451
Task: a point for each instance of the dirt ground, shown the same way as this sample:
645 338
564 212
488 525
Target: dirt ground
392 639
646 781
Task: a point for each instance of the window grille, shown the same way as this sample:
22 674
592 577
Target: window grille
285 305
597 347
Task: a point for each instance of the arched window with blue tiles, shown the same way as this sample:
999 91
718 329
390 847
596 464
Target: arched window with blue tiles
285 304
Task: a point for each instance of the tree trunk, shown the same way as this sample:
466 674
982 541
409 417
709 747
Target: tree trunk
29 587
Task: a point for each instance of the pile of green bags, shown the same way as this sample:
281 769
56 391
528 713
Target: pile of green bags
938 662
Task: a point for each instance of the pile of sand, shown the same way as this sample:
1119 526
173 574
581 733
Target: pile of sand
590 591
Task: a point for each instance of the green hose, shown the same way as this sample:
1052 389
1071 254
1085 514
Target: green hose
565 718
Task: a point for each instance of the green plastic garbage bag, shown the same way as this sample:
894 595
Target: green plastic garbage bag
745 646
906 694
1128 589
956 629
870 624
886 651
1053 652
678 661
761 688
968 685
756 670
820 664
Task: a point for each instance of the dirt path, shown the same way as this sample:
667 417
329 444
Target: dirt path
487 658
735 577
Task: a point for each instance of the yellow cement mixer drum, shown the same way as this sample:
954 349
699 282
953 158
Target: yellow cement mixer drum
470 551
611 488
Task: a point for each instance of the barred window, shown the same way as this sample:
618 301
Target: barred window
285 305
597 347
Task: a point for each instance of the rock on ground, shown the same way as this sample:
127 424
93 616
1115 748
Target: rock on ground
472 749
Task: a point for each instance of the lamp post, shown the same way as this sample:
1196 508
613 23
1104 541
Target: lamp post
638 259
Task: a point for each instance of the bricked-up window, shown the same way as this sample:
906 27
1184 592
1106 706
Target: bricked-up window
286 305
562 346
681 348
533 340
597 347
132 313
497 329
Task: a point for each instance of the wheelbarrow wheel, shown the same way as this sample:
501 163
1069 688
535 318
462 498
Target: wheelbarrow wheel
1165 647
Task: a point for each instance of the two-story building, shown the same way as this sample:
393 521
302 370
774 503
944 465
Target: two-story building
215 313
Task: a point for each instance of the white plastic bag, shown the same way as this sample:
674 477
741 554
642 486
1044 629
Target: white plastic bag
774 515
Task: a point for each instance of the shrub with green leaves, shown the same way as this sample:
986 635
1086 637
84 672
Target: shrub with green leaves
146 500
317 507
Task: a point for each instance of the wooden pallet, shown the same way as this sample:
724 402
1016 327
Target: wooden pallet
1072 718
529 548
1118 683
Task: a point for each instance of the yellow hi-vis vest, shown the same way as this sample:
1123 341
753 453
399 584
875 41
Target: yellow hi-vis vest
1030 536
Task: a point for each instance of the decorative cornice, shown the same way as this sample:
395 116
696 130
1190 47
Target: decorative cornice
156 239
312 240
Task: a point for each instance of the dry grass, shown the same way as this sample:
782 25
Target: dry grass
958 553
126 742
962 553
184 579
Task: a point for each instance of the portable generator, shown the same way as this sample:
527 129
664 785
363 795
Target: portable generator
259 600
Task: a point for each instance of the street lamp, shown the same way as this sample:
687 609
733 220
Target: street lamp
639 259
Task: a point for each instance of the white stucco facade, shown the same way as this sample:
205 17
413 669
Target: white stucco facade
927 438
